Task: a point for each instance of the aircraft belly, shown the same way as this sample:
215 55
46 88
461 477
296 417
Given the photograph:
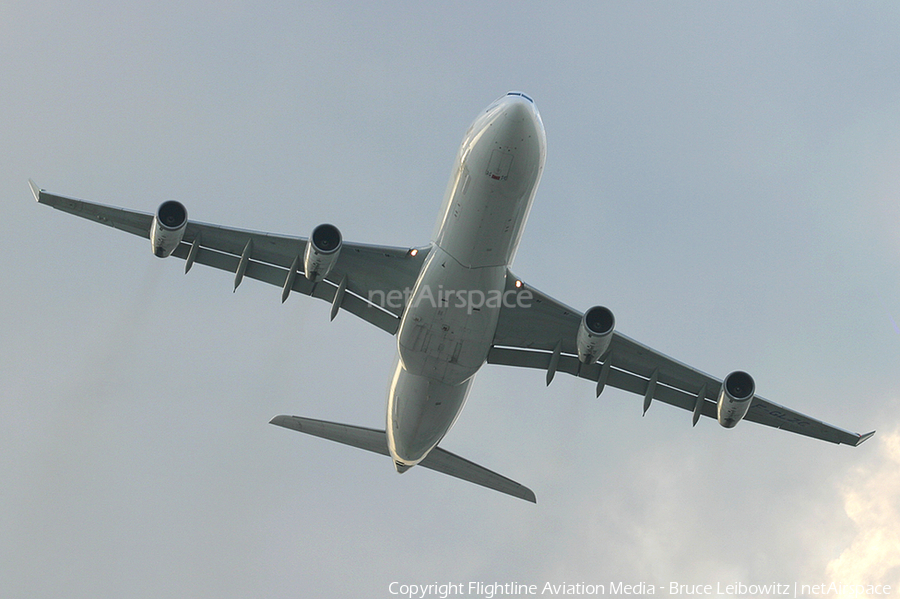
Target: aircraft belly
450 319
444 338
420 412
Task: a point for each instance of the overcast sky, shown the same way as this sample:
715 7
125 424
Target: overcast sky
724 176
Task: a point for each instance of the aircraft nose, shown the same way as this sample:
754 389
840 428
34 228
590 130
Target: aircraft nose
519 111
520 106
517 121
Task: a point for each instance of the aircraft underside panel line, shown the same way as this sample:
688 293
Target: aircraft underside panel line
617 378
376 272
130 221
274 275
761 410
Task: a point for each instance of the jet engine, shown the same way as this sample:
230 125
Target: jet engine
168 227
734 398
322 251
595 334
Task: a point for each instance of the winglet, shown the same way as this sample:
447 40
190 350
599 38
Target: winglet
863 438
35 190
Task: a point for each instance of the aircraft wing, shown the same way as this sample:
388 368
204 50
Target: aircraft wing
368 272
543 336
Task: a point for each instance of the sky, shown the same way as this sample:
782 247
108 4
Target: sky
723 176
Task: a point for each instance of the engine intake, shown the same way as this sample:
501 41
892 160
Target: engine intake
734 398
595 334
168 227
322 252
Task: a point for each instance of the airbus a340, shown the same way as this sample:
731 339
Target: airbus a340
454 304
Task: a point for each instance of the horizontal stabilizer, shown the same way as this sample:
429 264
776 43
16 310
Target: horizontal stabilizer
376 441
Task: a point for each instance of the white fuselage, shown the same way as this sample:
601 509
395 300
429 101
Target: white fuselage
448 326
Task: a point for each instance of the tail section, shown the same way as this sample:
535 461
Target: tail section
376 441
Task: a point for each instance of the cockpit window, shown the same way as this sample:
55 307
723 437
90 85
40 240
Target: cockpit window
521 95
501 98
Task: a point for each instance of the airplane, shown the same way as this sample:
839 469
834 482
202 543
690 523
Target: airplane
455 305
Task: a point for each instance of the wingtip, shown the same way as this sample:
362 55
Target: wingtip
863 438
279 420
35 190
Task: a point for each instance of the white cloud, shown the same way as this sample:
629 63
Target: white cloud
871 502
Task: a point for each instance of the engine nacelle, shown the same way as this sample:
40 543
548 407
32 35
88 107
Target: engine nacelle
734 398
595 334
322 251
168 227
